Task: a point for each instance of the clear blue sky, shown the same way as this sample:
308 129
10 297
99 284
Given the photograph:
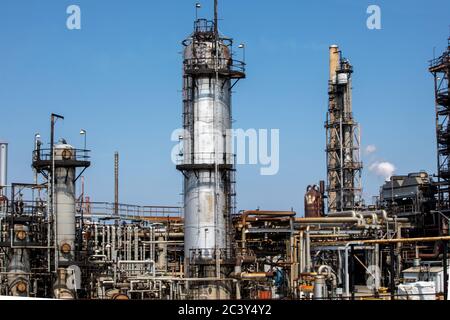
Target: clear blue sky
120 79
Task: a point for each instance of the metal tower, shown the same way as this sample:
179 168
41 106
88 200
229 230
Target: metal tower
207 163
440 68
343 138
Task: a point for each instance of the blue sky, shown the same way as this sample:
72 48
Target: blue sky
119 77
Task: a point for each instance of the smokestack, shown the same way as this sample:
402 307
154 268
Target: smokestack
3 165
116 183
334 61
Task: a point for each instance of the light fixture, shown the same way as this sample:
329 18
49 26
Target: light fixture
84 133
242 46
198 5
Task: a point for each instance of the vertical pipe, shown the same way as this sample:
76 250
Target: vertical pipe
119 243
3 166
377 266
113 243
216 27
352 271
308 251
392 271
103 239
52 189
136 243
116 183
445 265
301 249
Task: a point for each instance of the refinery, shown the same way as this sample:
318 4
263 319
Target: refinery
57 244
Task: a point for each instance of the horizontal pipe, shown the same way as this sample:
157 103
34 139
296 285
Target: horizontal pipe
269 213
328 220
253 275
387 241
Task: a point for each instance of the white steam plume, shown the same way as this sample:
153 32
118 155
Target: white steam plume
384 169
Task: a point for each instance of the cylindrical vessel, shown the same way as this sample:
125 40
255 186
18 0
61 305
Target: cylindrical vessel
65 201
313 202
3 165
320 288
208 163
207 146
19 264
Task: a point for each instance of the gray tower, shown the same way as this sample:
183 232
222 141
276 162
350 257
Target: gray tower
207 161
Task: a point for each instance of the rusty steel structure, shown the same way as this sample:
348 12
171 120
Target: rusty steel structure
440 68
314 201
343 138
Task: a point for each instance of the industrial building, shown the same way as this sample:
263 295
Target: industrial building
57 244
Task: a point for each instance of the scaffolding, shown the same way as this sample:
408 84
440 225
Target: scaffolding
343 139
440 68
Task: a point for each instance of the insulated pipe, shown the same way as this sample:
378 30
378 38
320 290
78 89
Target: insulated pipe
119 242
136 243
350 213
255 275
103 239
113 243
307 251
329 273
301 249
328 220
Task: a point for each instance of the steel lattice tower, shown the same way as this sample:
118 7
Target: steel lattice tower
343 138
440 68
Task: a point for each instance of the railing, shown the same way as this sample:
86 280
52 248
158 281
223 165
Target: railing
203 25
198 255
209 65
127 211
445 58
206 158
45 154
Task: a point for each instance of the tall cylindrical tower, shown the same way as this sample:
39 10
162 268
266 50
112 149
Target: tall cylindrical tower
207 162
63 164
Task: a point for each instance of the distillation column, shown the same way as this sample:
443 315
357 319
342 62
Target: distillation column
66 159
65 202
343 139
208 163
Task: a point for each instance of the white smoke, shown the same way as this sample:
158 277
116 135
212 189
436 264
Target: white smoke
384 169
371 149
